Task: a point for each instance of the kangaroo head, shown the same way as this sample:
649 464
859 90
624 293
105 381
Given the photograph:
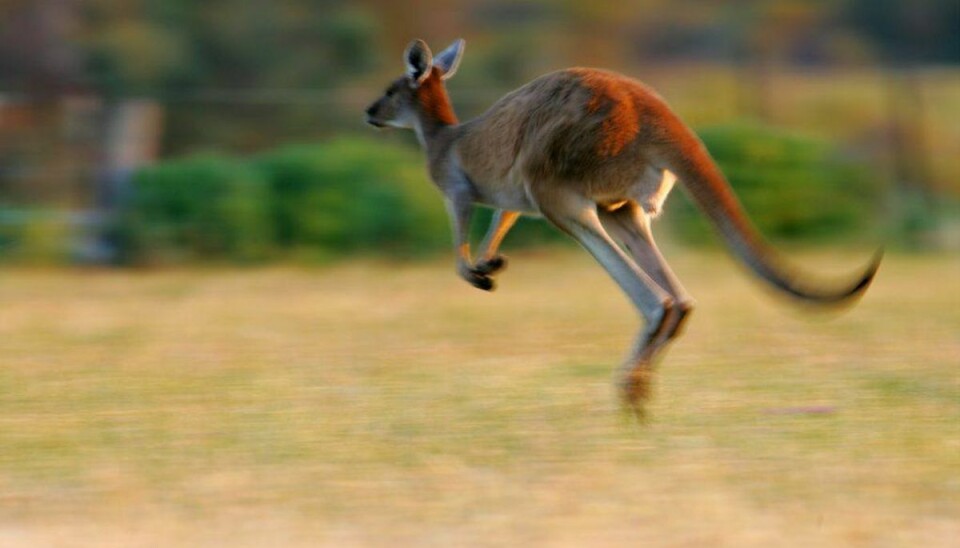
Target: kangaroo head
420 91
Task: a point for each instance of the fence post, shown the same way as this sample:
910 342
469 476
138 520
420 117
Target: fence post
131 131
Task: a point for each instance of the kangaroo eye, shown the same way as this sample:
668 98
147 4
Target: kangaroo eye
391 92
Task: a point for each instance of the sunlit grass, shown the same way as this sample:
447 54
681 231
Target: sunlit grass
383 404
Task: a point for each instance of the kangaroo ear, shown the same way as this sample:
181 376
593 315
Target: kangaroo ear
449 59
419 60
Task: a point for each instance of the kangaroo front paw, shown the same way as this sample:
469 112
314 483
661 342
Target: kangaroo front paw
481 281
492 265
476 277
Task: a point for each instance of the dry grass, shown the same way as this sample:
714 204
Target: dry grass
368 404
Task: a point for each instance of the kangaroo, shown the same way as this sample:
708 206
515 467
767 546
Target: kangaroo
595 153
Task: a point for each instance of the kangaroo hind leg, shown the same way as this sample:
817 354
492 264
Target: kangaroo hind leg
630 225
578 216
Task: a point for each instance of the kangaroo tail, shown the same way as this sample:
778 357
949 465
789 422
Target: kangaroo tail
689 160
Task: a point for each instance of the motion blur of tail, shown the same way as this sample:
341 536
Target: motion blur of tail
710 191
596 153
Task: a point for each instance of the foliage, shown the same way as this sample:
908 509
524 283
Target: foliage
350 195
909 31
318 201
354 195
793 188
169 46
206 206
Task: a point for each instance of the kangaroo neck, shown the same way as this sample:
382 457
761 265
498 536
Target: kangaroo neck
431 134
435 113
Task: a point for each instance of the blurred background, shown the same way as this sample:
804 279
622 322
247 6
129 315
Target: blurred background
148 132
229 314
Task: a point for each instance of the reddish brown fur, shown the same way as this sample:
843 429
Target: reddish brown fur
434 102
622 122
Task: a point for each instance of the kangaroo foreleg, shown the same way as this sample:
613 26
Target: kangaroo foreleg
460 209
490 260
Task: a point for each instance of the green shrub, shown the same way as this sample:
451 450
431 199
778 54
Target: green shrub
353 195
202 207
318 201
350 195
794 188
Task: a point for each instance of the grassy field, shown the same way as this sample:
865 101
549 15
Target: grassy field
374 404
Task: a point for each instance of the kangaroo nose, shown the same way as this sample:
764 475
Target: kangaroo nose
370 109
